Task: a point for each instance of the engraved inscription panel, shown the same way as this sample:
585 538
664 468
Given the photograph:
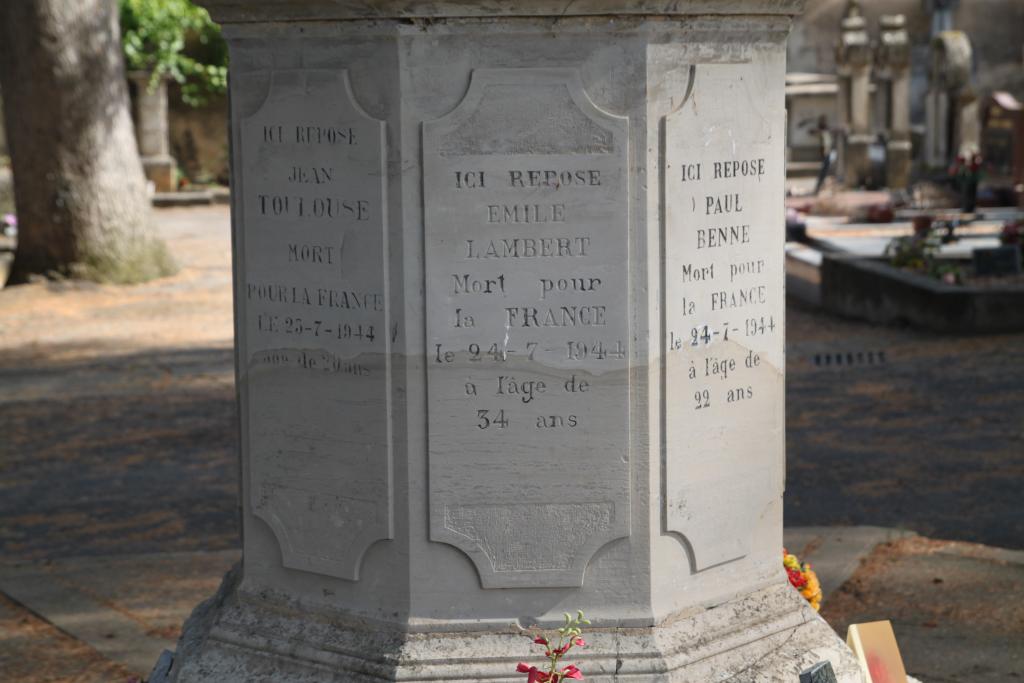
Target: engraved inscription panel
526 208
724 307
316 335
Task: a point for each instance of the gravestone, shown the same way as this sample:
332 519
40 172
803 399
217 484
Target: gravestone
949 130
853 67
509 313
997 261
1002 144
151 130
892 69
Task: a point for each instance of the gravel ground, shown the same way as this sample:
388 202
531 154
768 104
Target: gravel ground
930 438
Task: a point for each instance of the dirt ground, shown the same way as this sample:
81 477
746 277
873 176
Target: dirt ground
956 608
116 409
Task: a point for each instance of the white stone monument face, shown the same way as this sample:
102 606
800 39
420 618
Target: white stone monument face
315 305
526 229
724 312
510 313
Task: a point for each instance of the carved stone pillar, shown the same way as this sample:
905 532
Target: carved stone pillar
509 312
892 59
949 74
854 60
152 130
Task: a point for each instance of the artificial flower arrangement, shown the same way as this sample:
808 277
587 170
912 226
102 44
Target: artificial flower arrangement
966 172
569 636
803 578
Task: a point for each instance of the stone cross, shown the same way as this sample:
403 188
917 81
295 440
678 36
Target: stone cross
509 339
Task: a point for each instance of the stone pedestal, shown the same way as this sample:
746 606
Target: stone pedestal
510 321
853 61
949 77
151 131
899 160
892 62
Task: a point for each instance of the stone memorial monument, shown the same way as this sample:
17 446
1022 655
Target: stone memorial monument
854 58
509 324
892 69
951 110
151 130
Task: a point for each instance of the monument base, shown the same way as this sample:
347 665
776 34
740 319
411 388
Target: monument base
162 171
768 635
898 162
856 160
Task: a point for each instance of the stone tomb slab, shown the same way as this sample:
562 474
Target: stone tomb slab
724 310
314 315
526 187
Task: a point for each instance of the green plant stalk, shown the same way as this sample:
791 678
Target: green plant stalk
570 630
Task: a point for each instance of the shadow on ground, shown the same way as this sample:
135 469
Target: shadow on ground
106 451
929 436
122 453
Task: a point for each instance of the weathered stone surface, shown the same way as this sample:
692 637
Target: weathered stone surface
317 10
725 307
766 637
151 130
314 326
528 326
516 439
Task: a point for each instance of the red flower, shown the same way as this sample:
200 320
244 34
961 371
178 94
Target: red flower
536 675
540 640
572 672
796 578
580 642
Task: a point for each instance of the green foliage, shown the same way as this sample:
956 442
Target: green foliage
912 252
918 253
175 39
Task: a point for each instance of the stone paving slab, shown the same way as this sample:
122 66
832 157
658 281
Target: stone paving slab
32 650
835 553
110 632
128 608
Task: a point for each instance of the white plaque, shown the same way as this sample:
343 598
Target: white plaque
526 192
724 308
316 330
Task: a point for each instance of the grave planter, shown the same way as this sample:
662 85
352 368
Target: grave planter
869 289
509 313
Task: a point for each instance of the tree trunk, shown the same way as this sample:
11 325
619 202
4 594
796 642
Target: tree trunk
79 190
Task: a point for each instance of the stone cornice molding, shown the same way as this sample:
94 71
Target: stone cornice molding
245 11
